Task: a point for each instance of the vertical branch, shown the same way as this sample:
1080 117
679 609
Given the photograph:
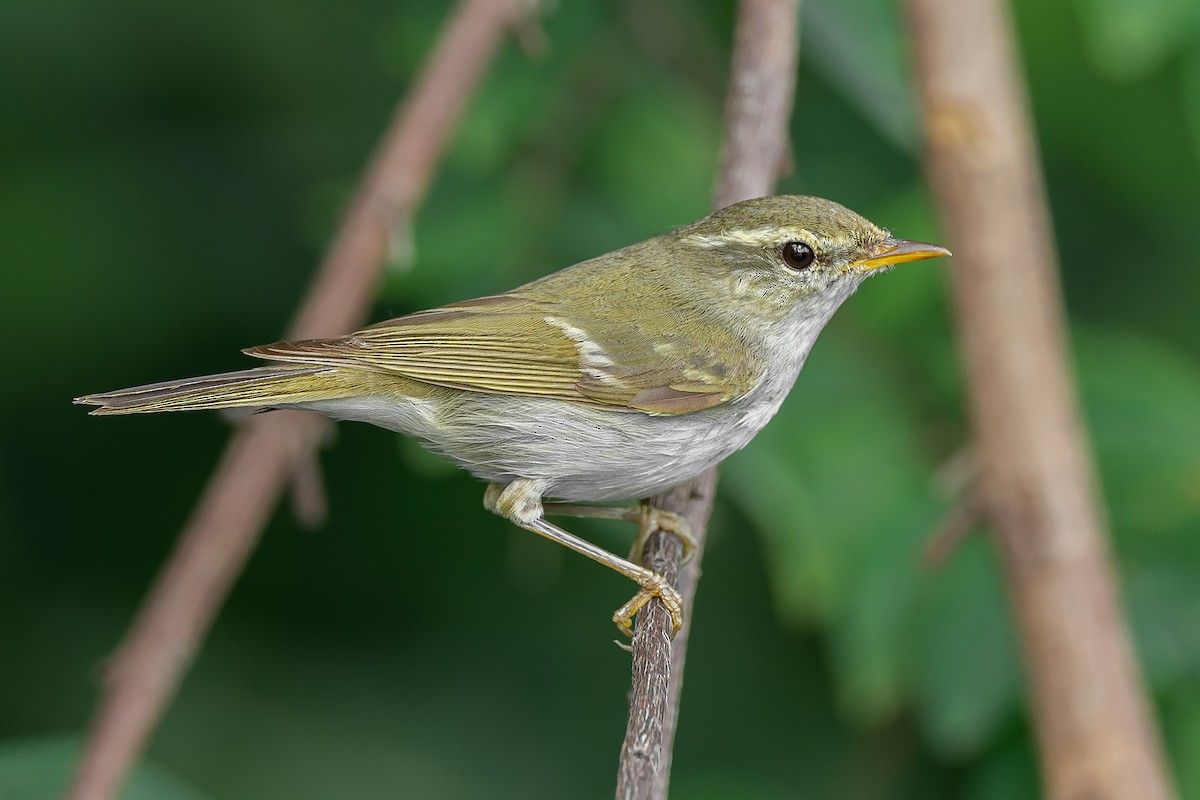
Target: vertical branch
758 106
249 479
1036 480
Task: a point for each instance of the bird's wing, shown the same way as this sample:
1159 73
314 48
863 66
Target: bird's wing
518 345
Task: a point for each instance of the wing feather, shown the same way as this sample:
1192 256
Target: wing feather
514 344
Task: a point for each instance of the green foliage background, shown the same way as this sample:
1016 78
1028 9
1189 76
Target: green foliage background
170 175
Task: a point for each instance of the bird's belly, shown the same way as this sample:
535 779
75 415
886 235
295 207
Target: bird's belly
576 452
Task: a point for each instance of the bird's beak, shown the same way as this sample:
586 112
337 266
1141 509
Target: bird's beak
897 251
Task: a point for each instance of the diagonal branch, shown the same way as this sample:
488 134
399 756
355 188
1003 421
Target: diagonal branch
758 107
261 457
1035 477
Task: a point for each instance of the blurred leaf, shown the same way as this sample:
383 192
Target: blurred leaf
718 785
39 769
829 478
964 657
1142 399
840 493
1007 773
406 40
1190 86
870 647
801 571
450 266
1129 38
1181 729
1164 612
656 153
498 119
859 46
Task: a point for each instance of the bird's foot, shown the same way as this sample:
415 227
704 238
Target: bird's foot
651 519
653 585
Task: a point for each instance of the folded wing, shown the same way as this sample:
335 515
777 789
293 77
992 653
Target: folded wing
519 345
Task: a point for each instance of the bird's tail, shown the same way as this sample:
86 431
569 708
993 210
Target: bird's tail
264 386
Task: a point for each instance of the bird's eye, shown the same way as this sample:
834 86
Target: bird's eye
798 255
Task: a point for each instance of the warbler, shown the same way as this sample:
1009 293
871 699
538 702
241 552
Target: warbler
606 381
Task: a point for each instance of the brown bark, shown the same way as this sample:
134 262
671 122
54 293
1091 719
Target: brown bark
261 457
758 107
1035 474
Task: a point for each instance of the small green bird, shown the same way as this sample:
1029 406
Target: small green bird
609 380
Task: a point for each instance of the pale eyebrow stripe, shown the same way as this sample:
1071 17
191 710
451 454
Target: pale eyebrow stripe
768 234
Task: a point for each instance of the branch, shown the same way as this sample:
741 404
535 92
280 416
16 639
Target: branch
1035 476
261 457
758 106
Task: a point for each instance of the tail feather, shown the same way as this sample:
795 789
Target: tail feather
264 386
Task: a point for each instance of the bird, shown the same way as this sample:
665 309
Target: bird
604 382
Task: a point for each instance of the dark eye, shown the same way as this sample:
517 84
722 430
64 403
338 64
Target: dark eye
798 255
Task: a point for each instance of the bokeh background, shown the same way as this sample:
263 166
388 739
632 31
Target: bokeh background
169 176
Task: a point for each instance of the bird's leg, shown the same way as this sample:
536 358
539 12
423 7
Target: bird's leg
521 503
648 518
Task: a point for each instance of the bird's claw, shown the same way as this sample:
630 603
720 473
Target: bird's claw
653 585
651 519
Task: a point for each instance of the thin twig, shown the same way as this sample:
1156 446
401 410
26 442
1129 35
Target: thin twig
958 523
955 479
1035 475
249 479
758 106
310 502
